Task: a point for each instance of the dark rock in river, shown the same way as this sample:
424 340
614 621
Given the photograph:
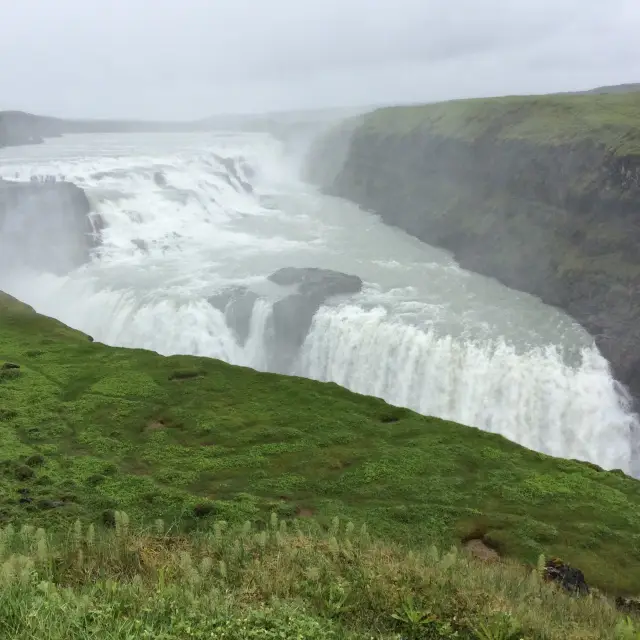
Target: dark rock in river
312 281
143 245
292 315
45 226
160 179
232 172
237 305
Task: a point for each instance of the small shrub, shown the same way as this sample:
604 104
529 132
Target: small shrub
626 629
109 518
7 414
498 627
110 469
95 479
23 472
203 509
417 622
7 375
35 460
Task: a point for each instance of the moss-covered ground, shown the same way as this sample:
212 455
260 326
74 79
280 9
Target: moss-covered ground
609 119
86 429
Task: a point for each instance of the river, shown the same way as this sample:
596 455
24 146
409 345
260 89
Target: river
189 215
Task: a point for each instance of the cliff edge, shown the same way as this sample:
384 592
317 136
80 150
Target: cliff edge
542 193
45 225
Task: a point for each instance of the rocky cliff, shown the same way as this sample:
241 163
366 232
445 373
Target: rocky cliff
45 226
18 128
542 193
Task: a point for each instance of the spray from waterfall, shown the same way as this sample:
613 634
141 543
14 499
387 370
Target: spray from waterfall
185 220
533 398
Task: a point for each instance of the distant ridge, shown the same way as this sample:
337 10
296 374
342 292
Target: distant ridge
614 88
22 128
19 127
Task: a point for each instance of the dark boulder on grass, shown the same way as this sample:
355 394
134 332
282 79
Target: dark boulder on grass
23 472
628 605
568 577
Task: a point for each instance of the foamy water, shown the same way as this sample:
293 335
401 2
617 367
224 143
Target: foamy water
188 215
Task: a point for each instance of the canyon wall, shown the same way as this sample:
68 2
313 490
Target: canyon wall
542 193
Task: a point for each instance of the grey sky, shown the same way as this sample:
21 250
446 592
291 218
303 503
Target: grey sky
192 58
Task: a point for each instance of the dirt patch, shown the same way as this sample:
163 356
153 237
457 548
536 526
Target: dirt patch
304 512
481 551
154 425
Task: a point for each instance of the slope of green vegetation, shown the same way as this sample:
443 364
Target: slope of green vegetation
288 581
610 120
87 429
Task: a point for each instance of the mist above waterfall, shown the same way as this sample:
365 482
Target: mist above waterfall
192 219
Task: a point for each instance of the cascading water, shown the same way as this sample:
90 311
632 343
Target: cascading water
193 224
483 383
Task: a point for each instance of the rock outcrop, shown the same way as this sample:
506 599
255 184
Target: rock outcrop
568 577
45 226
628 605
160 179
231 175
18 128
296 299
293 314
237 305
542 193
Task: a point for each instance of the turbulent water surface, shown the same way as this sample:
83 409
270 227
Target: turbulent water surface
187 216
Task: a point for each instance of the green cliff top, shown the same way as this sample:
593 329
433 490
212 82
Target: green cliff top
86 428
612 120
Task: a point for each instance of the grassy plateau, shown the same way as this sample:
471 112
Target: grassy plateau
608 119
249 491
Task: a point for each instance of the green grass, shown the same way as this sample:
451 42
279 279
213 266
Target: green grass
87 429
611 120
288 580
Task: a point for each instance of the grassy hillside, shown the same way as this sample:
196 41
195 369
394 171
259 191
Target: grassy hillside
285 581
87 429
609 119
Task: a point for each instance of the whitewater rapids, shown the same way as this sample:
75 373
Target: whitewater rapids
187 216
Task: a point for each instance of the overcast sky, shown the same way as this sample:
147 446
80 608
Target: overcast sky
193 58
